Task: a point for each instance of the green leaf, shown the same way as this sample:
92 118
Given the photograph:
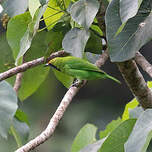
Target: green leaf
97 29
63 25
115 141
149 83
134 35
93 147
6 57
16 136
136 112
63 78
75 40
33 6
8 107
131 105
85 137
110 127
21 116
94 44
84 11
16 28
15 7
33 78
20 131
142 133
52 14
54 41
91 57
129 9
26 40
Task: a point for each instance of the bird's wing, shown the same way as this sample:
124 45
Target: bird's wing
79 64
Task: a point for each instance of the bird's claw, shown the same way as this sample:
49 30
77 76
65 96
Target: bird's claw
77 83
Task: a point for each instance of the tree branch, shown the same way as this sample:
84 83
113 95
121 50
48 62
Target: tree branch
136 83
18 81
47 133
102 59
53 122
29 65
146 66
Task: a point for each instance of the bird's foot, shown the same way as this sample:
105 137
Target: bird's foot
77 83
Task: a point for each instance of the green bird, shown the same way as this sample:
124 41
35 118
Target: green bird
78 68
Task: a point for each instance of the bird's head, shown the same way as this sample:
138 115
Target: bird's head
52 63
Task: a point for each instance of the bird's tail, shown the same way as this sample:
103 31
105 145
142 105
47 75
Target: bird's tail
116 80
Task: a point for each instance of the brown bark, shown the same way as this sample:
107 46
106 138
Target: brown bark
29 65
136 83
146 66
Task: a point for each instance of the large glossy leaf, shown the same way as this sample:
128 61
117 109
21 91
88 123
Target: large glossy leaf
93 147
8 107
53 13
33 6
28 36
75 40
135 34
128 9
84 11
142 133
33 78
115 141
110 127
85 137
14 7
16 28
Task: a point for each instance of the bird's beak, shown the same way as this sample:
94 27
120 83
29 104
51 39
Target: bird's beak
47 64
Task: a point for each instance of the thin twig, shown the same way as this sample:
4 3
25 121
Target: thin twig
18 80
146 66
47 133
102 59
29 65
136 83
